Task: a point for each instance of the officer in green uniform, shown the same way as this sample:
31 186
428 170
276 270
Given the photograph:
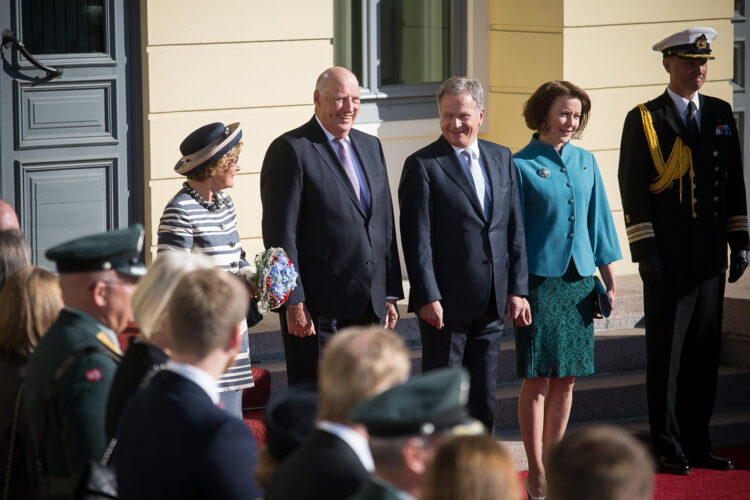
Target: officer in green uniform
69 375
406 424
683 195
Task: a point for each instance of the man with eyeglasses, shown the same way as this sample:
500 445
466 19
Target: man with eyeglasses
70 372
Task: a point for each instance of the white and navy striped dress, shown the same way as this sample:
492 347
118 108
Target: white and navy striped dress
187 225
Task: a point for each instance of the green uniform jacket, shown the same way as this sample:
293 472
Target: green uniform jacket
75 414
689 237
377 489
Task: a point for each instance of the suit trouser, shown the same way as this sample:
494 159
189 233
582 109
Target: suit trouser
302 353
474 345
683 334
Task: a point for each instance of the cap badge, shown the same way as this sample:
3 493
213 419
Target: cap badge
427 429
226 129
701 42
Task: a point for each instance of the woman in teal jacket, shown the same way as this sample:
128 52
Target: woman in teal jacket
569 232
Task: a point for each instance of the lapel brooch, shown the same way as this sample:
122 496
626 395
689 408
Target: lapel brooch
543 173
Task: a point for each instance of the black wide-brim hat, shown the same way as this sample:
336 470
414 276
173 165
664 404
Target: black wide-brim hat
206 145
290 419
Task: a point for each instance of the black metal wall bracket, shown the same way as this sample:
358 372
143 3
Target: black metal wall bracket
10 39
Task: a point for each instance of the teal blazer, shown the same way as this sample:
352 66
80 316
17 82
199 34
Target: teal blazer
565 210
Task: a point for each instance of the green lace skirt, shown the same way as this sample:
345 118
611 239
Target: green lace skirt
560 340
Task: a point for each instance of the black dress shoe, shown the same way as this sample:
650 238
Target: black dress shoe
711 461
676 464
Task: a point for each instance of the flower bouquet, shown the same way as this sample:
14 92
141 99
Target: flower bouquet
273 278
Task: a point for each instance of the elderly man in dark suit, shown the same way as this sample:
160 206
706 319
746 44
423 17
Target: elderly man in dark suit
327 202
684 199
464 244
173 441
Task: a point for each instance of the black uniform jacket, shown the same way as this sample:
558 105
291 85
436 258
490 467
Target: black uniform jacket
690 234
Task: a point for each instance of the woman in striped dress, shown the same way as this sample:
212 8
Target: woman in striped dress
201 218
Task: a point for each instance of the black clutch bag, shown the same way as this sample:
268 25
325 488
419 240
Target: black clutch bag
602 302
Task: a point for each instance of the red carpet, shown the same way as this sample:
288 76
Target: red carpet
708 484
705 484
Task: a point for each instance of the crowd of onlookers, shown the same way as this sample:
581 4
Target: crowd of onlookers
367 430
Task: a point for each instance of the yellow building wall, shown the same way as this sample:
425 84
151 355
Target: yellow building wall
256 63
605 48
248 61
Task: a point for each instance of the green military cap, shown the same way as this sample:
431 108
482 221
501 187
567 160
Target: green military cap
119 250
433 403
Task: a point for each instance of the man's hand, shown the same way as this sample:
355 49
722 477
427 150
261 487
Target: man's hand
518 309
391 313
298 320
432 313
651 270
737 265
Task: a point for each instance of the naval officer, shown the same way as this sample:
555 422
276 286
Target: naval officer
684 200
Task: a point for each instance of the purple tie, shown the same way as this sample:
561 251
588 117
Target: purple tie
346 161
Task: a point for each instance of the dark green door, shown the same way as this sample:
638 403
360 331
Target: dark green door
65 143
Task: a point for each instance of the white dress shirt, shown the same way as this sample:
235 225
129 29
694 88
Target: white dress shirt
474 148
355 162
681 104
356 441
204 380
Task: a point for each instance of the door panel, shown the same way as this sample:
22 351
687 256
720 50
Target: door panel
75 113
64 152
60 199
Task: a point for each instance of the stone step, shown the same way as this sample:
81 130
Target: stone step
266 344
614 351
729 427
620 396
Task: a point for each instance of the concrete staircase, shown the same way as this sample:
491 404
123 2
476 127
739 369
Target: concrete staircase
616 394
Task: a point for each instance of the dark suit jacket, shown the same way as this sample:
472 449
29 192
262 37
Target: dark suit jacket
323 468
173 442
141 361
452 253
660 223
344 258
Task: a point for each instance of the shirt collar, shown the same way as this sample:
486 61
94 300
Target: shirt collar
473 147
356 441
204 380
329 135
681 103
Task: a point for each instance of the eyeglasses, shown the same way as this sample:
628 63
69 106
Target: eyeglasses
113 283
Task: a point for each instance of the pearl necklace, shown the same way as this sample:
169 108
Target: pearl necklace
219 198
